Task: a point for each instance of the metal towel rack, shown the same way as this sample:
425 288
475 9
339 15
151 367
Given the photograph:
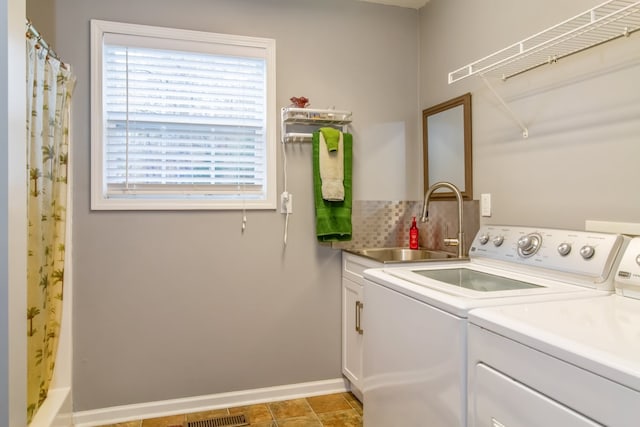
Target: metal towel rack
309 119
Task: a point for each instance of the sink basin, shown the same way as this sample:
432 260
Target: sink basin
390 255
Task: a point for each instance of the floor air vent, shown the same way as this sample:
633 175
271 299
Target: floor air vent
227 421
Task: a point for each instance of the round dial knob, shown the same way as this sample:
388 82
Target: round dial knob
587 251
498 240
638 260
484 238
528 245
564 249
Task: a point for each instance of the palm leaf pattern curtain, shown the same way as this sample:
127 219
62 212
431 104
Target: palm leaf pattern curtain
49 88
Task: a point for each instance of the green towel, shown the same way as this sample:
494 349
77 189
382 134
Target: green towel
331 137
333 219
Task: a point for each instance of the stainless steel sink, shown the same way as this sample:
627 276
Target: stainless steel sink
392 255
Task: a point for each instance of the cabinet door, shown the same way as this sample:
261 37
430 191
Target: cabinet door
352 331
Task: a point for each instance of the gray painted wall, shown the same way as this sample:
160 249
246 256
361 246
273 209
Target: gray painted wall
173 304
177 304
580 161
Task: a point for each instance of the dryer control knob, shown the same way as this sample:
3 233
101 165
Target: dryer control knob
638 260
528 245
564 249
498 240
587 251
484 238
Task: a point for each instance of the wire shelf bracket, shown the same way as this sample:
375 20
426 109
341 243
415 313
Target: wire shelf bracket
523 127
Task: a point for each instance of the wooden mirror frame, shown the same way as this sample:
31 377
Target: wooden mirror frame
465 101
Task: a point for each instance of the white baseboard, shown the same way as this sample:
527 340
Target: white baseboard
118 414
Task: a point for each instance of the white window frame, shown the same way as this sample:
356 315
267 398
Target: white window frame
99 198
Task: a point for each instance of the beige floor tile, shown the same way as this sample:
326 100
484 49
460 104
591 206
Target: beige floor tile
174 420
137 423
354 402
308 421
334 410
255 413
328 403
290 409
348 418
204 415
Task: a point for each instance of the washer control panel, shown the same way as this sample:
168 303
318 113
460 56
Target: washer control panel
628 275
583 253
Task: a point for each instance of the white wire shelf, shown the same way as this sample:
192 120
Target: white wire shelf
608 21
310 118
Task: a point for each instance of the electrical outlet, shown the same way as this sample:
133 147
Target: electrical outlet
286 202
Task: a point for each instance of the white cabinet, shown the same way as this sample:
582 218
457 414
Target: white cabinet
353 331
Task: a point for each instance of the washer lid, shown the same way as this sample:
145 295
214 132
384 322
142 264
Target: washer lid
474 280
599 334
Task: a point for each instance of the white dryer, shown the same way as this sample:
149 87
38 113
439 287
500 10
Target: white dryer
559 363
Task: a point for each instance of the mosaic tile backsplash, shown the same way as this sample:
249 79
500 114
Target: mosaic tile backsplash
385 224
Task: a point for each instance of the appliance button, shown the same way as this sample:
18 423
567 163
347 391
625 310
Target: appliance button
564 249
587 251
498 240
484 238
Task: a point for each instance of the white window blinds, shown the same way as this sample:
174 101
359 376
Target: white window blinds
185 120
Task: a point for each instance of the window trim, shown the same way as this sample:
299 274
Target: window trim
99 198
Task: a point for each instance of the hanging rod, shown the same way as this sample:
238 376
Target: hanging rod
32 32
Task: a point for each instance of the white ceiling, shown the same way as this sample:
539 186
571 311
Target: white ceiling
413 4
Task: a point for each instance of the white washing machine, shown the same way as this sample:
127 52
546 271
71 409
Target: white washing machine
415 316
560 363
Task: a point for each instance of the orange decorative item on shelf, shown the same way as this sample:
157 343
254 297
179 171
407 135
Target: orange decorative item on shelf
301 102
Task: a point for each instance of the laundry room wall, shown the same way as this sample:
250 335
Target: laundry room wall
179 304
580 160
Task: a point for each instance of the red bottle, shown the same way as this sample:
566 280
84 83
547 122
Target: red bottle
413 235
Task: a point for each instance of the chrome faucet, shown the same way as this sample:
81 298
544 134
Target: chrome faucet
459 241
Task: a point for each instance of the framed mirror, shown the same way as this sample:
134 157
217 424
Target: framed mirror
446 146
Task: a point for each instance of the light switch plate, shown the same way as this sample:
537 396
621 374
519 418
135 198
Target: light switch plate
485 204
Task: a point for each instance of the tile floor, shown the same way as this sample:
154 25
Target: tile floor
331 410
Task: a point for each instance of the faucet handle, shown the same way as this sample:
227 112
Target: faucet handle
449 241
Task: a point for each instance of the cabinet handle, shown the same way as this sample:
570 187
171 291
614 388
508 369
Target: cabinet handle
359 307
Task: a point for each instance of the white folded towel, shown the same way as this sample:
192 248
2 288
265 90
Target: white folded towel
331 165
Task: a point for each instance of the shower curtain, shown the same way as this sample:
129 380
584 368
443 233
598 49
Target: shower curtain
49 87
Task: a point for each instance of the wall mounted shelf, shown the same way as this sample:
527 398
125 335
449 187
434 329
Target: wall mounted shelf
298 124
608 21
